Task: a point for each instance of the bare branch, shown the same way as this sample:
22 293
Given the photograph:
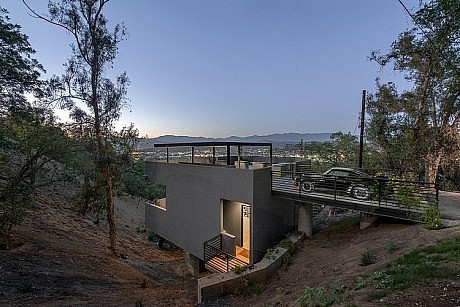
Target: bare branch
36 15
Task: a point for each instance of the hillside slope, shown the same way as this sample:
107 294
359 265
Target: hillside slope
62 258
332 258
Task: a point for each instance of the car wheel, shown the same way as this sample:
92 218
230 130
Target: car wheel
361 193
308 186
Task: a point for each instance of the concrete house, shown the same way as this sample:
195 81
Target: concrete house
214 210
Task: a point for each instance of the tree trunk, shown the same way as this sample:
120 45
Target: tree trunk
432 165
110 210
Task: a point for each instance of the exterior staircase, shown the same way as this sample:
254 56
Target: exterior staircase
216 260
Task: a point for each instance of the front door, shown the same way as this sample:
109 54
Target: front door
236 221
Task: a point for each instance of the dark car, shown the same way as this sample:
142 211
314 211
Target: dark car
338 179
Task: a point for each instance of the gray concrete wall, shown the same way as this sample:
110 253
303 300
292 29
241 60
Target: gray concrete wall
273 217
193 206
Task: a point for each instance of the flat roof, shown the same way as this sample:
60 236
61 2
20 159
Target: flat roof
212 144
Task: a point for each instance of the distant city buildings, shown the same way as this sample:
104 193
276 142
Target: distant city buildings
183 154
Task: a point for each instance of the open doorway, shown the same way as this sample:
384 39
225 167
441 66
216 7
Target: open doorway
236 226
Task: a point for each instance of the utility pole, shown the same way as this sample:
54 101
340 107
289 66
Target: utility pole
361 134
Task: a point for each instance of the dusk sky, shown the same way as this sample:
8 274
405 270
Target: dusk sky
217 68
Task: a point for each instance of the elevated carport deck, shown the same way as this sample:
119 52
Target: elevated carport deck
388 206
346 202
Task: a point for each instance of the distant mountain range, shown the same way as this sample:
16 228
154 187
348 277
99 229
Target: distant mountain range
278 139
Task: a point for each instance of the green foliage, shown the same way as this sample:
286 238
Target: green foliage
92 195
287 260
338 288
289 245
136 185
343 148
344 224
31 142
361 282
366 258
258 287
139 303
407 196
33 149
280 290
390 245
94 101
19 71
381 279
431 217
383 190
239 269
314 297
416 267
415 130
272 253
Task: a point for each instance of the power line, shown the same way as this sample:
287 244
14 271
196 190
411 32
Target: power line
416 22
449 61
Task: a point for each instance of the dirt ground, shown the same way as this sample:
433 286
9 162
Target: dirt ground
333 257
62 258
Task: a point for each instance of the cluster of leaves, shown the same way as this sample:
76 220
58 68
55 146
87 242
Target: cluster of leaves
312 297
19 70
432 218
401 188
135 184
240 269
33 149
343 148
390 245
367 258
407 196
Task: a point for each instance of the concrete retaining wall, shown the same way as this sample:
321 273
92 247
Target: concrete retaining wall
217 285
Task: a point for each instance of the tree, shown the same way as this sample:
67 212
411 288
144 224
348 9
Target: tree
345 148
342 149
419 127
31 142
33 147
95 101
19 71
136 185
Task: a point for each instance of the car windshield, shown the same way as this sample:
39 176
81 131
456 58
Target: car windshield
345 173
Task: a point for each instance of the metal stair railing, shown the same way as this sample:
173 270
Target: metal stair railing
213 251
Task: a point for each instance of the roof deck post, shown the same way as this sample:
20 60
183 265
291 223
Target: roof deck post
193 154
271 154
239 155
228 154
213 155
